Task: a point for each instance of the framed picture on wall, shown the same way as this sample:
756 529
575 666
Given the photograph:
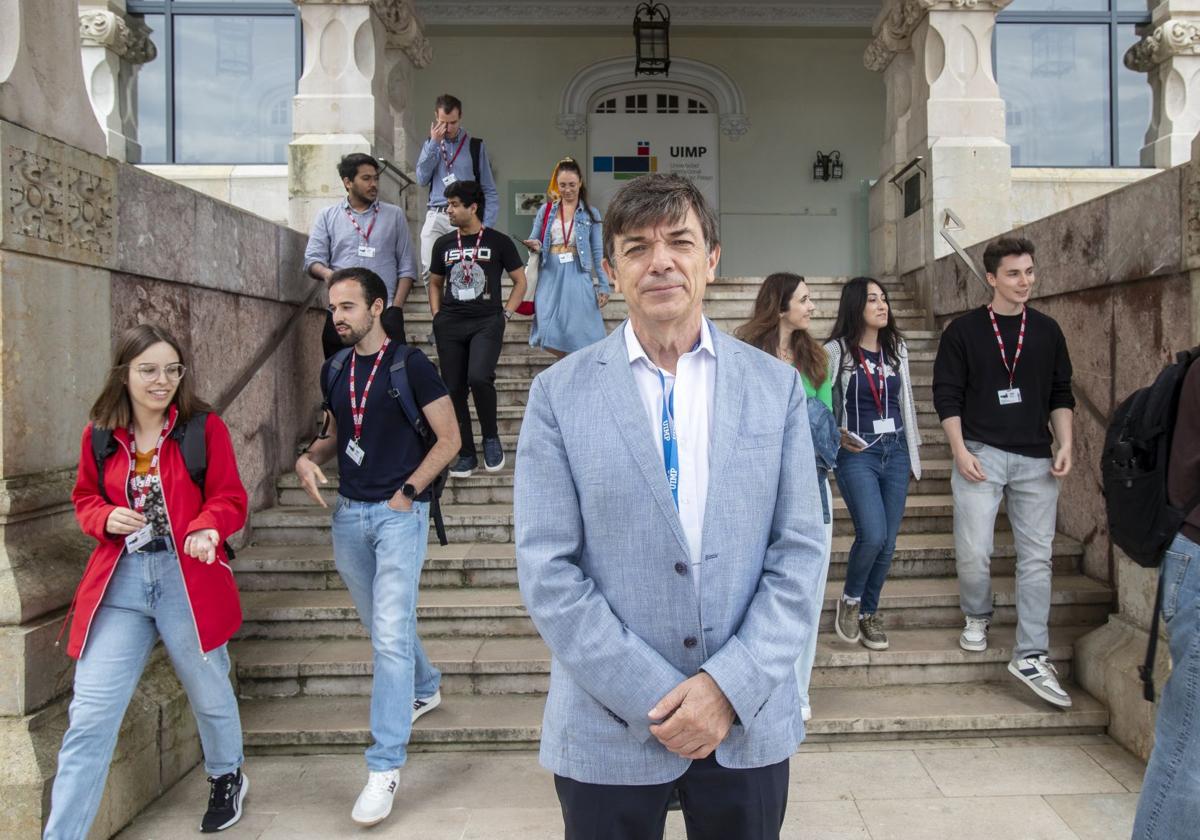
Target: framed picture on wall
527 203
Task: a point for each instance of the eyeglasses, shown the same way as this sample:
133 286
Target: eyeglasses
150 373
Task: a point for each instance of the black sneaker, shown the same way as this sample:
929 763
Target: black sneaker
464 466
225 801
493 454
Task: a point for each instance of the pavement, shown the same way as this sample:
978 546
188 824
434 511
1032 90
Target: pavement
1064 787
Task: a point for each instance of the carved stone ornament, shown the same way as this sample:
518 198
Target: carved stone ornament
405 31
58 204
128 39
1171 39
734 126
572 126
896 25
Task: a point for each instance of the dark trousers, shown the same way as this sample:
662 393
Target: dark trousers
468 350
393 325
718 804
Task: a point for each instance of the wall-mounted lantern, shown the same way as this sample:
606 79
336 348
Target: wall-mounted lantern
828 166
652 36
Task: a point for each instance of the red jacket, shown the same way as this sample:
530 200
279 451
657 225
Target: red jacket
211 589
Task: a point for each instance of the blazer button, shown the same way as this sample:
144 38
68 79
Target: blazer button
681 568
689 642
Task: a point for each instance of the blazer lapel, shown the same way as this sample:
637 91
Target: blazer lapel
727 410
629 415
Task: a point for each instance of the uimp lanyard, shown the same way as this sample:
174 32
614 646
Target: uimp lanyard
358 410
469 264
883 424
567 256
1011 395
449 178
141 486
365 249
670 443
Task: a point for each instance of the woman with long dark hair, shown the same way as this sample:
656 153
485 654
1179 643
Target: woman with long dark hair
566 232
873 404
160 570
779 325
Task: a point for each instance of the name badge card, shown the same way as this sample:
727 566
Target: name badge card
139 538
355 452
367 251
449 179
885 426
1009 396
566 257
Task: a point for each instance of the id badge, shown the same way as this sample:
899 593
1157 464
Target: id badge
885 426
139 538
367 251
465 294
566 257
355 452
449 179
1009 396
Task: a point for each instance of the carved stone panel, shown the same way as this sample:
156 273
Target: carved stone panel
58 202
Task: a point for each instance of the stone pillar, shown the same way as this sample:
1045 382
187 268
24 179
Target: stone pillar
954 121
1170 54
886 204
341 105
408 50
113 48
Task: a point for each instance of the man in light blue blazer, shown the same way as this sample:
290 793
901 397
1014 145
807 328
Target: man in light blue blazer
669 547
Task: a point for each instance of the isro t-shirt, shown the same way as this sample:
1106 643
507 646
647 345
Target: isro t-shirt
473 287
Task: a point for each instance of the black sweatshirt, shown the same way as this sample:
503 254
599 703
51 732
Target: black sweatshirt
968 374
1183 473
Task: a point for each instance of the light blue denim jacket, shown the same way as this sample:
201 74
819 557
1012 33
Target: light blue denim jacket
589 240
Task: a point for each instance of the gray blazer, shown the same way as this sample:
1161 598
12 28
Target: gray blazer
604 565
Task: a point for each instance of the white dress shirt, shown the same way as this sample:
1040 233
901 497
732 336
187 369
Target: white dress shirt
695 381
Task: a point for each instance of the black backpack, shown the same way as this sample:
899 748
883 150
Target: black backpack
1133 469
402 392
475 147
191 439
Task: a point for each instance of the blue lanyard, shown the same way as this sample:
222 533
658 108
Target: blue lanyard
670 443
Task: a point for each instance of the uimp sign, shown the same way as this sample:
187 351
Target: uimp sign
623 146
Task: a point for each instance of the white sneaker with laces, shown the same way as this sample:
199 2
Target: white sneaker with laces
974 636
1039 673
421 705
375 802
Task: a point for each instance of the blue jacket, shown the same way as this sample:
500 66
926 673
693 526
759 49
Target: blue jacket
589 240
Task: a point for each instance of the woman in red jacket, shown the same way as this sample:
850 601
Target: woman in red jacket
159 571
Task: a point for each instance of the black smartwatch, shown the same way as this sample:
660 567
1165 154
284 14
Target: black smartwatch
409 492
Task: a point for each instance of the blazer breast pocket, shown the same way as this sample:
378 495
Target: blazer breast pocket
761 440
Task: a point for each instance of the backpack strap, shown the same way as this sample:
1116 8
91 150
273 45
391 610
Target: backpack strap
402 392
1146 670
104 445
476 154
191 439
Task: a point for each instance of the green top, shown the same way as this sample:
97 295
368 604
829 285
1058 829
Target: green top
824 393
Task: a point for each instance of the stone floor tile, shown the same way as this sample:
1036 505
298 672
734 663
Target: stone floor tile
977 818
478 780
313 824
901 745
514 824
161 825
1017 771
1123 765
863 775
1097 816
1054 741
837 820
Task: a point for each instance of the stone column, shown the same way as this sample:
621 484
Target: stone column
341 105
954 121
1170 54
408 50
113 48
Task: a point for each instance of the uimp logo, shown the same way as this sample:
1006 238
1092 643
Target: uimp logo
626 167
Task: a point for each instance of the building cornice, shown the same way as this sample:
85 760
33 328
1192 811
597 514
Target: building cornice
130 39
1170 39
846 13
895 25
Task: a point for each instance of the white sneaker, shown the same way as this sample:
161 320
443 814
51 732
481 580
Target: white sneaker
806 713
1039 674
421 705
974 636
375 802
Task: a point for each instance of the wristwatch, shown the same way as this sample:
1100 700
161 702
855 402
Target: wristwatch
508 314
409 491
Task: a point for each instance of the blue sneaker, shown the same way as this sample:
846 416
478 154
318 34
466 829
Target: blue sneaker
464 466
493 455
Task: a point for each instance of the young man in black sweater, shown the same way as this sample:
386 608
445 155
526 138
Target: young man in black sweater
1002 389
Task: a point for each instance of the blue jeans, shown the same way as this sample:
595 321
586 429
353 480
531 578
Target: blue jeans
1169 806
145 600
874 484
378 552
804 664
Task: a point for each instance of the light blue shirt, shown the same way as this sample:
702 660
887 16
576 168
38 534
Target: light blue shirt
334 242
431 169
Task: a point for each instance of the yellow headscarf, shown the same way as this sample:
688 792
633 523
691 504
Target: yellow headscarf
552 195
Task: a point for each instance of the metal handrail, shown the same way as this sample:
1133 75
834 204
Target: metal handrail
400 174
950 221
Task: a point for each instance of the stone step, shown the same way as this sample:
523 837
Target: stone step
822 288
276 567
499 611
726 314
306 725
475 665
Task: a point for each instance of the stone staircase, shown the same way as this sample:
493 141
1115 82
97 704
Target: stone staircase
303 661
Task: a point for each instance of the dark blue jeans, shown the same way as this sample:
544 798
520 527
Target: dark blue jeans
874 484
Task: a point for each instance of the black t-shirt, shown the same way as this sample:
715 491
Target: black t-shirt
393 449
476 293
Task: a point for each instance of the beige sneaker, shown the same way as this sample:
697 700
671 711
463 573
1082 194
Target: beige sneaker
873 636
845 622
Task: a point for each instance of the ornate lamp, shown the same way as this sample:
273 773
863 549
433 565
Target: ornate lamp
652 36
828 166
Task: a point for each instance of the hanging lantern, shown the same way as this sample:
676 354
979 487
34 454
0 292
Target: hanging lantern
652 36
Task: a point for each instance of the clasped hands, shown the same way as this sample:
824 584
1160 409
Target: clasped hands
201 544
693 718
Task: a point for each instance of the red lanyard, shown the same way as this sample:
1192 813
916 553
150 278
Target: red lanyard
141 487
1011 369
562 220
468 264
359 410
875 390
449 161
366 236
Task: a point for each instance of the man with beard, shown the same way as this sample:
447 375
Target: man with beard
381 516
363 231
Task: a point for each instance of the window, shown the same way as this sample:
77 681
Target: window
1069 99
608 106
220 89
640 100
667 103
